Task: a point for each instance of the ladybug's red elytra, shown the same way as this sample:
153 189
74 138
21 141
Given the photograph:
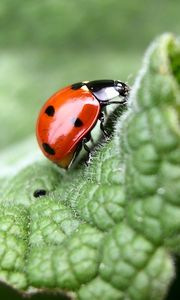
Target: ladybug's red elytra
65 121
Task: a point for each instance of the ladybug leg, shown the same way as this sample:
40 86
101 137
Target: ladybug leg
79 148
102 118
91 139
87 148
84 141
105 110
122 102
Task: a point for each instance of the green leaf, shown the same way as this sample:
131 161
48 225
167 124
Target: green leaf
107 231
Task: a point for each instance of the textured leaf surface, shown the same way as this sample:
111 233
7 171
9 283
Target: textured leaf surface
107 231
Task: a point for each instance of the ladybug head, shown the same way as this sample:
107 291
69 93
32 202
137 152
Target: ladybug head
122 88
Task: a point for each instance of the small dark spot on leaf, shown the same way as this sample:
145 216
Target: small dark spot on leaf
39 193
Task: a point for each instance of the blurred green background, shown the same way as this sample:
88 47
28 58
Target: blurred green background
45 45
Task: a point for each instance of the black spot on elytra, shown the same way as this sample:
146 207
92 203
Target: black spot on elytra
78 123
48 149
77 85
39 193
50 111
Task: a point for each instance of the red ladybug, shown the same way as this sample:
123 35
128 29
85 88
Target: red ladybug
65 121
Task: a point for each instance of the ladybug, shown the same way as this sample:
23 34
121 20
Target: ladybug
65 121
